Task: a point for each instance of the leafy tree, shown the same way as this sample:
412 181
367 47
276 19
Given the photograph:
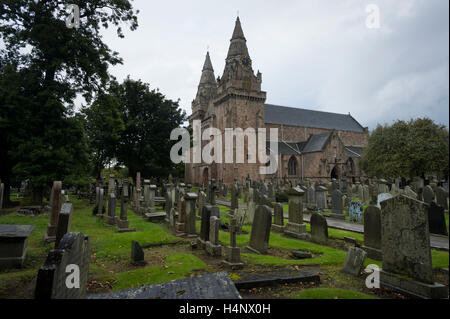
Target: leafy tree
407 149
103 125
148 118
49 65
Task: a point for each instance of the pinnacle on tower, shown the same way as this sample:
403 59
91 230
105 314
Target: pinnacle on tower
207 72
238 44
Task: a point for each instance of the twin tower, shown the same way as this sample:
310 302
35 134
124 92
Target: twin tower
231 101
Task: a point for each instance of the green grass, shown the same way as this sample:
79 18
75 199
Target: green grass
330 293
176 266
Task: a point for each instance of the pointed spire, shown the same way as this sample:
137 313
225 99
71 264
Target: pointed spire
238 44
207 72
207 66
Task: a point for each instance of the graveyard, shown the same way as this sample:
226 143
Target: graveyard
267 251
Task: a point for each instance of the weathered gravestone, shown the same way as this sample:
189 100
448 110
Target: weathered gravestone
428 194
295 226
319 229
406 249
123 224
251 212
354 261
137 254
180 225
441 197
436 219
208 212
13 245
259 238
234 197
190 198
240 214
64 222
336 205
382 197
372 232
355 212
212 246
55 279
110 219
278 224
233 253
56 203
321 198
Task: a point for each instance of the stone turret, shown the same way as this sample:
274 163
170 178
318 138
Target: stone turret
207 89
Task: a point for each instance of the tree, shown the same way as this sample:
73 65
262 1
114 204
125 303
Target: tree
149 118
50 64
103 125
407 149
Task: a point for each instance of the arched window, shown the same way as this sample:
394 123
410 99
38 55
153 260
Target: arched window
292 166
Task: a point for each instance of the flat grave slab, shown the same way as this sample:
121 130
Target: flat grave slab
155 217
210 286
277 277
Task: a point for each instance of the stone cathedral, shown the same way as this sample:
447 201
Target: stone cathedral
312 144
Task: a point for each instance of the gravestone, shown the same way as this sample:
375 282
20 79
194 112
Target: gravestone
355 212
441 197
201 202
208 212
123 224
110 219
191 230
354 261
366 194
406 249
180 225
13 245
436 219
73 249
319 229
233 253
321 198
295 226
278 224
382 197
137 254
409 192
336 205
251 212
259 238
428 194
372 232
212 246
64 222
311 198
56 203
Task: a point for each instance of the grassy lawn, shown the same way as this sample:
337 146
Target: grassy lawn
330 293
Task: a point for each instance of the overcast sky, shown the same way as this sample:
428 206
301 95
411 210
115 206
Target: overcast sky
315 54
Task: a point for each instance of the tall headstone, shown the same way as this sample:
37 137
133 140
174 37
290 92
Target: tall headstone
123 224
55 208
110 219
208 211
64 222
234 197
259 238
190 214
278 224
428 194
180 226
441 197
406 248
336 205
73 249
372 232
100 203
321 198
319 229
295 226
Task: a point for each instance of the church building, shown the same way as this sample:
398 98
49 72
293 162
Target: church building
312 145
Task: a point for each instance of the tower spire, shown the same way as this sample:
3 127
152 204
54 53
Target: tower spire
238 44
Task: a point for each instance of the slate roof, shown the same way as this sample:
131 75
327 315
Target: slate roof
276 114
354 151
316 143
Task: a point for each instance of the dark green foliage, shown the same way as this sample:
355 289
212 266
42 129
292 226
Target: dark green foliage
407 149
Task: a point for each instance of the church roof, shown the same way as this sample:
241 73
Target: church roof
354 151
275 114
315 143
